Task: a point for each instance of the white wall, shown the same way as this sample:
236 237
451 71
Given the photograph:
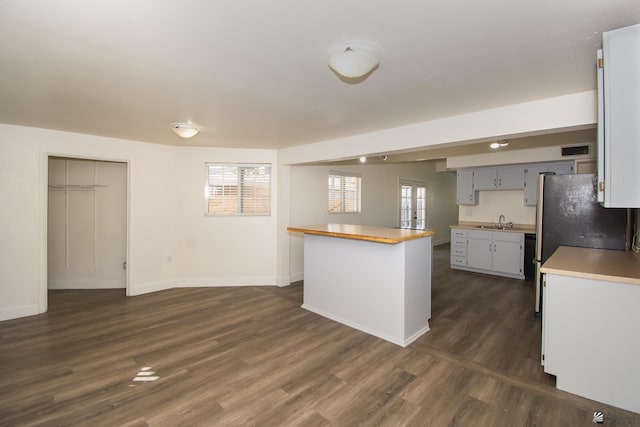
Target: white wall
558 114
163 218
492 204
380 200
221 250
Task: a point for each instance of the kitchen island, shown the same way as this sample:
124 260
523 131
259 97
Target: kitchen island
591 324
374 279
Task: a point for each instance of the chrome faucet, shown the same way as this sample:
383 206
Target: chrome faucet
500 219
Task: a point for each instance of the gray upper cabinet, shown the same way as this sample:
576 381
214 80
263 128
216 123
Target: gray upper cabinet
531 173
561 168
531 183
499 178
618 112
465 193
512 177
485 178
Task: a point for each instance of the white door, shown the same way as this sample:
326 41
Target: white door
413 204
86 224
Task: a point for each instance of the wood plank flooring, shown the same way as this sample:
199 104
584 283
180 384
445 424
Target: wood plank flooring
252 357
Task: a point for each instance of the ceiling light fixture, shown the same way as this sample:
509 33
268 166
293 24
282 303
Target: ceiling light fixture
363 159
184 130
353 60
496 145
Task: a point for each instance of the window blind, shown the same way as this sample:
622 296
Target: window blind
237 189
344 193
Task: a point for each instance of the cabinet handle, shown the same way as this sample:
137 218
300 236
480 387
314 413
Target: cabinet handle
495 182
489 247
500 182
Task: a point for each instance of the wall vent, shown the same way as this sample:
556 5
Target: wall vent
576 150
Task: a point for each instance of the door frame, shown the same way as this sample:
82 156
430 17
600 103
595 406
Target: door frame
43 302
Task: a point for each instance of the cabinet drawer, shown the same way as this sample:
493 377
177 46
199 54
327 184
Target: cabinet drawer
458 251
457 232
479 234
507 237
457 260
458 241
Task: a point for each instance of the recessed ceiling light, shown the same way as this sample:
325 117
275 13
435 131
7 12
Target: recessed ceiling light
184 130
363 159
496 145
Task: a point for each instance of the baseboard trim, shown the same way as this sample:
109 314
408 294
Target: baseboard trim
391 339
17 312
86 284
211 282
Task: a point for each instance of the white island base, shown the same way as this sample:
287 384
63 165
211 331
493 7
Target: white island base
379 288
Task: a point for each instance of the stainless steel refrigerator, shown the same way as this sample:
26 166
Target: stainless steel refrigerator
568 214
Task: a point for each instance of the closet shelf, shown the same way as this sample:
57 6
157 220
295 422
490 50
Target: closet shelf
75 187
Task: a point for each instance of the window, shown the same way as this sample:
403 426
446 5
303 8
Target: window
237 189
413 205
344 193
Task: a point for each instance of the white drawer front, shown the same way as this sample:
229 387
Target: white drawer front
458 251
456 260
457 232
458 241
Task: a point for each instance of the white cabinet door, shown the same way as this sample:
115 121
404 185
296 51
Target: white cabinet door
479 253
485 179
620 126
465 190
507 257
511 178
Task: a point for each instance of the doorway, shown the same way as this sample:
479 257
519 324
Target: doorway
86 224
413 204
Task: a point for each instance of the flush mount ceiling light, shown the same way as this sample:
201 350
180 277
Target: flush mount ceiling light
498 144
184 130
363 159
354 59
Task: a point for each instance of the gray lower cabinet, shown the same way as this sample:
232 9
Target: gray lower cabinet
493 252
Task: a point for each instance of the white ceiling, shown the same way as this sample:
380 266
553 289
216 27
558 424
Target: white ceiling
254 74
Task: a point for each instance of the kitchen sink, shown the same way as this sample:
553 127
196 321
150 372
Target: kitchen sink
497 227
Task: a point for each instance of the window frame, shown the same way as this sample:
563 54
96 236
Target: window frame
240 200
342 192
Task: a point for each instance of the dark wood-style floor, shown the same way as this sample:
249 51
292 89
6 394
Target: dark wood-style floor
252 356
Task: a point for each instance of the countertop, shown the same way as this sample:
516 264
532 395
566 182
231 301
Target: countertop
598 264
488 226
363 232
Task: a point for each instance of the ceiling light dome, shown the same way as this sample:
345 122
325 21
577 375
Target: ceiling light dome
354 59
184 130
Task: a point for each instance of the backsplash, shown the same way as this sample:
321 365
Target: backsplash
492 204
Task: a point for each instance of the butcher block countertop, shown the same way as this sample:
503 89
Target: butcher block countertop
363 232
598 264
492 226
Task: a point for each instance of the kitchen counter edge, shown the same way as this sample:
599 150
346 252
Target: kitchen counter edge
597 264
362 232
488 226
